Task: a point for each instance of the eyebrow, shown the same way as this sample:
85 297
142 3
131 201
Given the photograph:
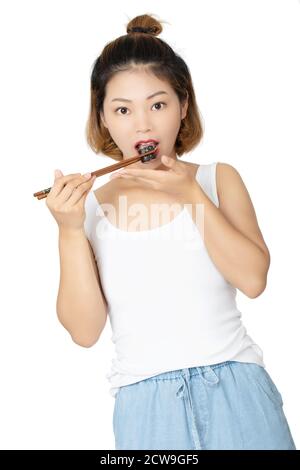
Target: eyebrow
148 98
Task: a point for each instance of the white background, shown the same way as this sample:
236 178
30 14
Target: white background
244 60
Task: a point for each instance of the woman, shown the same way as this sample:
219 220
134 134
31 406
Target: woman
186 373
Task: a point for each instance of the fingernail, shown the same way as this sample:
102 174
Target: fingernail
87 175
57 173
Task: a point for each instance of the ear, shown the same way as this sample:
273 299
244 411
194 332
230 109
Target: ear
185 106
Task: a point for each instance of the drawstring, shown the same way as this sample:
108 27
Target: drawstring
184 389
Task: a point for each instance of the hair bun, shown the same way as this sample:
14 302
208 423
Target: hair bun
140 29
146 24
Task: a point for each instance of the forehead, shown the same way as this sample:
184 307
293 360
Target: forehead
136 84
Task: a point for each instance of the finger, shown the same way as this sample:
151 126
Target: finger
138 179
171 164
149 174
71 186
113 175
60 182
57 173
79 194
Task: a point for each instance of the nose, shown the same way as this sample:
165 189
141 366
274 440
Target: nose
143 130
142 122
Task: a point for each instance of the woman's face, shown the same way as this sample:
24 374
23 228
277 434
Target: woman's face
130 115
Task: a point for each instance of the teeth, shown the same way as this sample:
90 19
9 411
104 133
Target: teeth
146 144
143 148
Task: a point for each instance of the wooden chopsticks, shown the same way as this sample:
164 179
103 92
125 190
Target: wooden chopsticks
43 193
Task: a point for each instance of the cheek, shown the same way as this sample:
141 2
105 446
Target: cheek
118 128
170 123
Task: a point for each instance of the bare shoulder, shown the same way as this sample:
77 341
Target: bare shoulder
225 173
236 205
229 182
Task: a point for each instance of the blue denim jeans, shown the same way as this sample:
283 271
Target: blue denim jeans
230 405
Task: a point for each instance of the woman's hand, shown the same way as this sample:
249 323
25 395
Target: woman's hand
67 197
177 180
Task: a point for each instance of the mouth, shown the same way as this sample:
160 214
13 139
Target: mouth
143 148
145 143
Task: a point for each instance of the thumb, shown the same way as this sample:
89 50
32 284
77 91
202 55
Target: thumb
174 165
169 162
57 174
165 160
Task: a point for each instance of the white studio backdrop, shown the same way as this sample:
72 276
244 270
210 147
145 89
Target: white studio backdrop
244 59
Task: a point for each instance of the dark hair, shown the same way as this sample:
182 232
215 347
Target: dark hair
141 46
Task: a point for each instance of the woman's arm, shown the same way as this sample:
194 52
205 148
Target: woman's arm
231 233
81 306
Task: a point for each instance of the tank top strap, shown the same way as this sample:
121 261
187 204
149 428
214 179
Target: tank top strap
206 177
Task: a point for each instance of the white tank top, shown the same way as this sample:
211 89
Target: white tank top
168 304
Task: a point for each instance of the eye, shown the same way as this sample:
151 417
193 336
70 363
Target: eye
124 107
159 102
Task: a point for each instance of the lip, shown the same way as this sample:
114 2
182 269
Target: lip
145 142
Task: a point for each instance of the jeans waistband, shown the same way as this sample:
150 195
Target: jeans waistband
190 371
